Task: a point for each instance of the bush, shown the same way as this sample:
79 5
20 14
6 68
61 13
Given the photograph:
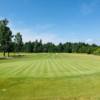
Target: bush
97 51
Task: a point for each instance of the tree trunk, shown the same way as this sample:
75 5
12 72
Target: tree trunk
8 53
4 53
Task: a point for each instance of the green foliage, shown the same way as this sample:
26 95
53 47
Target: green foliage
18 42
27 47
68 47
5 36
97 51
37 46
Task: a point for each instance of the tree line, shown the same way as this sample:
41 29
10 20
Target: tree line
14 43
68 47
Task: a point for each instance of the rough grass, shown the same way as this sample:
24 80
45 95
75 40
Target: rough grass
50 77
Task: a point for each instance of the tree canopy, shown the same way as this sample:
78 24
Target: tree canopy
5 36
37 46
18 42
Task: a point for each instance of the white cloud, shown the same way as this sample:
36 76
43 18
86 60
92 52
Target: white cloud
89 40
44 32
34 32
29 35
37 32
92 41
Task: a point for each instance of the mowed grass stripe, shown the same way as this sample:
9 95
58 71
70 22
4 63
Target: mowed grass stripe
8 65
62 70
41 69
45 69
69 65
21 70
50 65
27 71
33 69
50 78
77 68
54 70
92 67
6 70
50 71
36 72
86 69
74 70
58 68
66 65
10 71
66 68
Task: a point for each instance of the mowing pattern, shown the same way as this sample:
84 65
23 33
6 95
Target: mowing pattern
50 65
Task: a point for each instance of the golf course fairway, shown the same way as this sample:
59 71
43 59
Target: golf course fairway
50 76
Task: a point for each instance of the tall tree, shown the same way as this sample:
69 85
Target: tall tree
60 47
28 47
5 36
18 42
35 49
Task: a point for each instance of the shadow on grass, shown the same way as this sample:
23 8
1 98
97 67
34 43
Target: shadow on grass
11 57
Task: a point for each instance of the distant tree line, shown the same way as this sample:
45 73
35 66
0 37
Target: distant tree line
68 47
14 43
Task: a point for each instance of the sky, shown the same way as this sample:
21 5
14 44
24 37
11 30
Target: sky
54 20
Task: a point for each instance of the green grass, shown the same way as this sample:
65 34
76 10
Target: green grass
50 77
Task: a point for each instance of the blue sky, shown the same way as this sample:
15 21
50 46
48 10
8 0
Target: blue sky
54 20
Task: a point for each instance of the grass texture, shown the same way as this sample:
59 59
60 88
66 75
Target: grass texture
50 76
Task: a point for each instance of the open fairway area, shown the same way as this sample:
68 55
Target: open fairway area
50 76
